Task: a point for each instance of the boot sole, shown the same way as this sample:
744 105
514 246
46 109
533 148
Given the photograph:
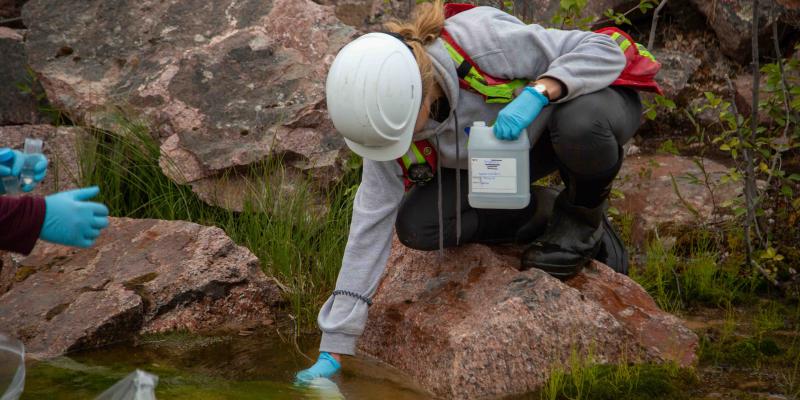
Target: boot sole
565 272
560 273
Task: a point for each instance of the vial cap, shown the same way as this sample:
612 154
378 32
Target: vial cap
33 146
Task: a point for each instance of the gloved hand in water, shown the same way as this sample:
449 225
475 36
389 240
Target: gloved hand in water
519 113
12 166
71 220
325 367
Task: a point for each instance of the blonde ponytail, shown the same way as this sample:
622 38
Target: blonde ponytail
424 28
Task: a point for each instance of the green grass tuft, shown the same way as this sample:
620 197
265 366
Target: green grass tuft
300 247
585 379
678 282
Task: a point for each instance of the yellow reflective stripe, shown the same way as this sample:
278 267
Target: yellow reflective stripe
407 158
621 41
625 44
418 154
406 161
502 93
643 51
453 53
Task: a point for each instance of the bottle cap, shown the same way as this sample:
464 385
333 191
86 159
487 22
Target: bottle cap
33 146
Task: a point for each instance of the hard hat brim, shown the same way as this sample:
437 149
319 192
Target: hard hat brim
383 153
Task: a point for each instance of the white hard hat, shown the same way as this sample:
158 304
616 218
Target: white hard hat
374 92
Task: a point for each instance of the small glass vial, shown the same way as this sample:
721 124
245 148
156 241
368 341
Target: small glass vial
28 173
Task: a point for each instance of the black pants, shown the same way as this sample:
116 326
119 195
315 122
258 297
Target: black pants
584 135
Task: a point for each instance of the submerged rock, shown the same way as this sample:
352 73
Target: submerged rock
652 199
142 276
61 146
473 326
223 84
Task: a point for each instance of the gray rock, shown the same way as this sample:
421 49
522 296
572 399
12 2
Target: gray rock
61 148
10 8
223 84
732 19
18 90
369 15
791 12
676 69
472 326
142 276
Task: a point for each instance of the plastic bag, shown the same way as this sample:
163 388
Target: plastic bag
324 389
12 367
138 385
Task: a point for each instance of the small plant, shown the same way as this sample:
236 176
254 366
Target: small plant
668 147
622 18
31 87
659 104
570 14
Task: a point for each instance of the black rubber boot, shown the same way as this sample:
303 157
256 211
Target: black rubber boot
572 239
545 199
612 250
574 233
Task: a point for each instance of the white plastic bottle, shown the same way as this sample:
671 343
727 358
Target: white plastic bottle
498 169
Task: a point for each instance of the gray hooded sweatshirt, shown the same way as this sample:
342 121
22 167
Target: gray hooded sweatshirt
503 47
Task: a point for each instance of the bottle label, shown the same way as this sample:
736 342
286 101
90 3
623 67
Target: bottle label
494 175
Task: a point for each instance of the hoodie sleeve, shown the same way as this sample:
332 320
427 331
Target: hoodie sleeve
21 220
584 61
343 317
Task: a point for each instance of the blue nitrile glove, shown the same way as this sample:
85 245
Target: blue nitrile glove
13 167
518 114
71 220
325 367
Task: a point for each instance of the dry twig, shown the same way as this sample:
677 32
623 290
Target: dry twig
652 40
747 193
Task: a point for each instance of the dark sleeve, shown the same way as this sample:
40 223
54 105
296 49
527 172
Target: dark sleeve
21 220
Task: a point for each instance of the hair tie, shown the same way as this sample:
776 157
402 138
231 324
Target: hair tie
413 39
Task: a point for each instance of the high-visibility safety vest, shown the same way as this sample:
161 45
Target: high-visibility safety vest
419 163
471 77
640 66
